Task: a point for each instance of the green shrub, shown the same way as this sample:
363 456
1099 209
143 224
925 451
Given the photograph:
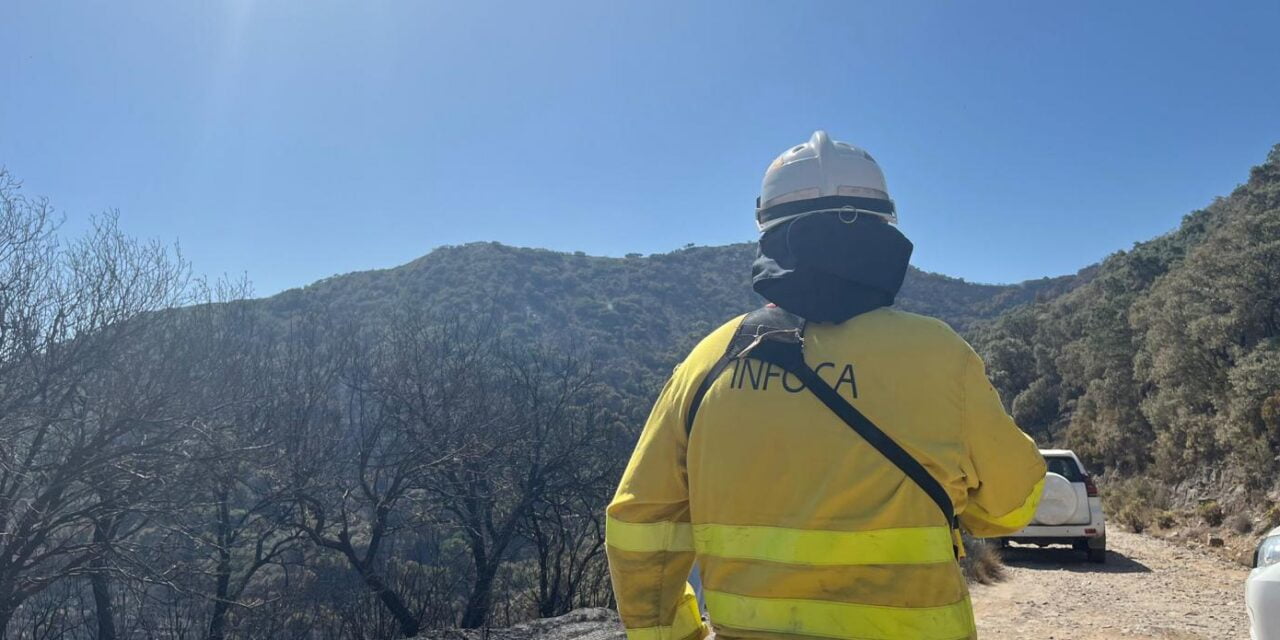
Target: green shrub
1271 519
1211 512
1144 494
1134 518
1167 519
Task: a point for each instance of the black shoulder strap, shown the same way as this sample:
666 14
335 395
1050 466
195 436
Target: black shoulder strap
752 327
775 336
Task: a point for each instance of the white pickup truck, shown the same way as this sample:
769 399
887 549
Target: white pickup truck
1070 510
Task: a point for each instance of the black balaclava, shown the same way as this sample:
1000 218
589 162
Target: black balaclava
824 269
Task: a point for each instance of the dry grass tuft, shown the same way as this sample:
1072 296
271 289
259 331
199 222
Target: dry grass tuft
982 562
1241 523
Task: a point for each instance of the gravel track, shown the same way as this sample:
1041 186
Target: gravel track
1149 589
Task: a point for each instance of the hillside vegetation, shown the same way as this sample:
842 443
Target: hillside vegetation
674 294
634 317
1166 362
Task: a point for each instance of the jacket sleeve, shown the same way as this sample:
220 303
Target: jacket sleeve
1005 470
648 535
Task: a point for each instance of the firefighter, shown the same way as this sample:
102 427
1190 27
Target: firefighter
818 457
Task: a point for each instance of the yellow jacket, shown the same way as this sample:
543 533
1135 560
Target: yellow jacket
799 527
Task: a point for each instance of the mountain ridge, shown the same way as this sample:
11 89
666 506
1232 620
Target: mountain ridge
960 295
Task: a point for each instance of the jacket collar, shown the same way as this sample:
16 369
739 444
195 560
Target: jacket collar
826 270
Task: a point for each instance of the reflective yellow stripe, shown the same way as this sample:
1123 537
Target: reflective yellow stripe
687 622
914 545
1016 519
1022 516
957 543
648 536
840 620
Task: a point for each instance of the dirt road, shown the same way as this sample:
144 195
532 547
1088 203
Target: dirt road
1149 589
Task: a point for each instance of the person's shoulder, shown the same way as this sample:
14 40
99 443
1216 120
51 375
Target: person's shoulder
914 323
924 332
713 346
704 356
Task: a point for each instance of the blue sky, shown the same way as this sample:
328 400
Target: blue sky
296 140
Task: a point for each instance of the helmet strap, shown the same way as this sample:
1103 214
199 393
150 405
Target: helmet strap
842 213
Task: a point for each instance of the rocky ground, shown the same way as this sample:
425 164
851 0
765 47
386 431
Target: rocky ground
1149 589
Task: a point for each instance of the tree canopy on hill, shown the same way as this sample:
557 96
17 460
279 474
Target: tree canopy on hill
686 291
636 317
1167 361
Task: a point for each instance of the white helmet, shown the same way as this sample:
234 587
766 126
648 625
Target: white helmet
823 176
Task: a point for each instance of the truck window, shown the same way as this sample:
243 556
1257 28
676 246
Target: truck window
1065 467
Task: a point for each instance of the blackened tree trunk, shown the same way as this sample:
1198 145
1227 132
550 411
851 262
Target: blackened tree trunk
477 610
222 597
409 624
7 608
101 583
